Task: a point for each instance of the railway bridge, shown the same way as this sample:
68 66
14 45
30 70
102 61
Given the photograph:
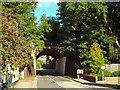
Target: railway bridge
65 61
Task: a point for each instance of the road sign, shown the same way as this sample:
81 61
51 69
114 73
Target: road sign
79 71
103 67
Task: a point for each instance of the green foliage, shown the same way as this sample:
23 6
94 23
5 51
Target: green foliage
53 36
78 25
39 64
15 49
97 58
85 22
113 30
24 11
115 74
50 65
44 26
82 23
19 30
106 73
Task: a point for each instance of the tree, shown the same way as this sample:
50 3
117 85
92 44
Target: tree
19 31
23 10
53 36
44 26
112 22
96 58
15 49
82 24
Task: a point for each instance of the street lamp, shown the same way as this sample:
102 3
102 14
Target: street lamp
103 67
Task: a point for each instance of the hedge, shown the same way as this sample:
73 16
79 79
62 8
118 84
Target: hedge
115 74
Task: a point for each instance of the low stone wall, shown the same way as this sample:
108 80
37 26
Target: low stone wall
113 80
90 77
112 67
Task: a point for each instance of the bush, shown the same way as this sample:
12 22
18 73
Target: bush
115 74
106 73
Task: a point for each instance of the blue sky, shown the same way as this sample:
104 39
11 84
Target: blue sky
48 7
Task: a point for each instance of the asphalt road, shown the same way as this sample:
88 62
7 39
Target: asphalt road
49 79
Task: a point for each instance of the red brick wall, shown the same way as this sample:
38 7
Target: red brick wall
90 77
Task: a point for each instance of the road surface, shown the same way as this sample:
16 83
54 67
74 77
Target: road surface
48 79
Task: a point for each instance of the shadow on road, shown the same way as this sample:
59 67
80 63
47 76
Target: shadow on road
48 72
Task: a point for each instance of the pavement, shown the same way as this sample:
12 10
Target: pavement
101 85
30 82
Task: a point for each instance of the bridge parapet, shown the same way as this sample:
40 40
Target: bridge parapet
51 44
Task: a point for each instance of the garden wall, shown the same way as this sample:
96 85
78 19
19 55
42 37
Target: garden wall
10 77
90 78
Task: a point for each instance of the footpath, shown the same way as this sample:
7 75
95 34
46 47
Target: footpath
30 82
100 85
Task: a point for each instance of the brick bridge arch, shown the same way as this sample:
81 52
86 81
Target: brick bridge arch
60 58
51 52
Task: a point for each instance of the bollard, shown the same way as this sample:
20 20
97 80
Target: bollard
78 76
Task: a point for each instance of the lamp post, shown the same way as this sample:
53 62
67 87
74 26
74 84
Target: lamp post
103 67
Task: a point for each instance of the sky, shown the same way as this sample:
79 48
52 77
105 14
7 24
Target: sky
48 7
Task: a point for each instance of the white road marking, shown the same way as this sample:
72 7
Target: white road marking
76 82
55 81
